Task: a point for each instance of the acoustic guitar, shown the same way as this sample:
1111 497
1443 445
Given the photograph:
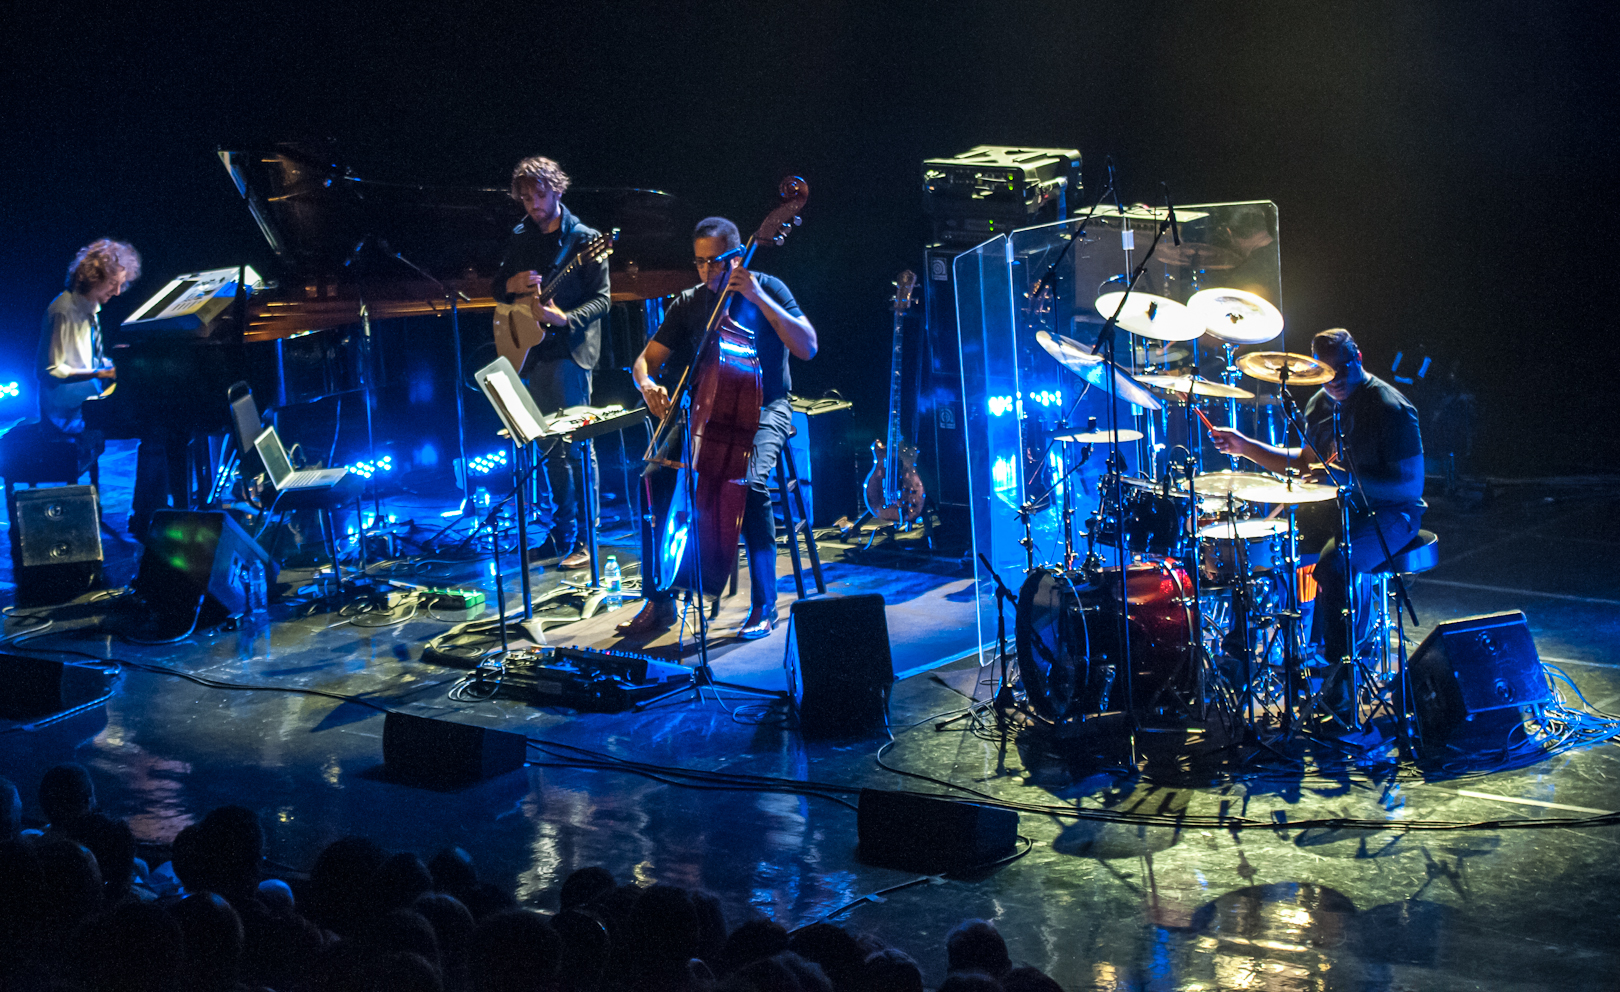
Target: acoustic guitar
894 492
517 324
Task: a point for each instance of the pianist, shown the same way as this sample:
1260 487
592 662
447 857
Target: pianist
558 370
71 365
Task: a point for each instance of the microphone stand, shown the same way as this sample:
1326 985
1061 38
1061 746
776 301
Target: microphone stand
1105 345
454 296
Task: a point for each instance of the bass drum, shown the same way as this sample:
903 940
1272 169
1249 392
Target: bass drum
1068 640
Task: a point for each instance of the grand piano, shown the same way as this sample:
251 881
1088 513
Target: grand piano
346 248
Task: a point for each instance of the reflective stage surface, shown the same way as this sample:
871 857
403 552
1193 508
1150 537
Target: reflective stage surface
1150 891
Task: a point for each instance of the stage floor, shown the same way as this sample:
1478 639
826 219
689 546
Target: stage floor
1147 891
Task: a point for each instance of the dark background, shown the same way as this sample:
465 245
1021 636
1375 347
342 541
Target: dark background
1443 171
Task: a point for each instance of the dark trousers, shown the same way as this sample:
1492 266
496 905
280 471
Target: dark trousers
759 518
556 386
1366 554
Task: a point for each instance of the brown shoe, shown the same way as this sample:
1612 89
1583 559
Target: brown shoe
653 618
579 559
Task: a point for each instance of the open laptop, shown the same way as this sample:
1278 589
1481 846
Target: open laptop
282 475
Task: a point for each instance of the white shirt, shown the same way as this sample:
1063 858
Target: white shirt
69 345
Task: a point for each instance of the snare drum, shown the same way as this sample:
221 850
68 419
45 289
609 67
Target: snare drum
1068 640
1259 542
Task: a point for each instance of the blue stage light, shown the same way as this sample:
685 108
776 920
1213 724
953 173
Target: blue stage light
10 390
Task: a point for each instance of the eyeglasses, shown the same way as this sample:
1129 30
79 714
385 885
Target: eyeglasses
703 262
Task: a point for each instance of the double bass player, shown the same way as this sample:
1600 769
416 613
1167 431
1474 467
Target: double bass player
784 331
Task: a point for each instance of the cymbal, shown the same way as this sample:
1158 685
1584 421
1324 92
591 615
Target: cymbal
1229 530
1099 437
1198 256
1228 483
1095 369
1198 387
1268 365
1164 353
1236 316
1291 491
1149 316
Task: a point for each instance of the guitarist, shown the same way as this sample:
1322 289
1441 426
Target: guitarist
558 371
784 331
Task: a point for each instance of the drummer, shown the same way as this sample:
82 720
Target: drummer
1385 452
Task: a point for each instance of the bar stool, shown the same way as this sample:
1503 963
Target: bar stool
1418 555
787 498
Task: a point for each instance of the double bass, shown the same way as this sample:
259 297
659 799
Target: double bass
709 429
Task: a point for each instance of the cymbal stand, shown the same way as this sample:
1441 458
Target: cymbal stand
1105 346
1290 617
1004 693
1230 377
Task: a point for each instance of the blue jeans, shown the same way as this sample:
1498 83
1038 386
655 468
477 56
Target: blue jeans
560 482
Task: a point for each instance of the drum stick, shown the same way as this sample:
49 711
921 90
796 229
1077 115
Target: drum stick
1207 424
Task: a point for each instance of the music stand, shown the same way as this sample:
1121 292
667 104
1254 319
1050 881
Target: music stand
524 425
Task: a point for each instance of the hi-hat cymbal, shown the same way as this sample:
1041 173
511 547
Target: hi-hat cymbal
1236 316
1198 387
1095 369
1099 437
1303 370
1149 316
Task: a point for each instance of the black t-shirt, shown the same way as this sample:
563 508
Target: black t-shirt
689 313
1380 429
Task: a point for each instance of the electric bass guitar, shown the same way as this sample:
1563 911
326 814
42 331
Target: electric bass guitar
894 492
517 324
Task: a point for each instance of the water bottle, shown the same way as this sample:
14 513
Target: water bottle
258 589
612 584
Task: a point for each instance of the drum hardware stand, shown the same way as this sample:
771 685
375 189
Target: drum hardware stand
1004 700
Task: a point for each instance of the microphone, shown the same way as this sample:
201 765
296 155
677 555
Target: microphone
1175 229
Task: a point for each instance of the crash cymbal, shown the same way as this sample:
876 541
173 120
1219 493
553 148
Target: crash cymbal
1228 483
1198 387
1303 370
1236 316
1197 256
1099 437
1149 316
1166 353
1095 369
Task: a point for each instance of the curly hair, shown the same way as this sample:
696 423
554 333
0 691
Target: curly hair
98 260
541 171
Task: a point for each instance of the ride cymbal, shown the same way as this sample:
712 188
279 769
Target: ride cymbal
1099 437
1199 387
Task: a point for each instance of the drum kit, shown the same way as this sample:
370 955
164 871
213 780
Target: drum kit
1208 623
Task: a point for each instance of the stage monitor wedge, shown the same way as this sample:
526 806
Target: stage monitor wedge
191 553
1471 681
55 543
839 666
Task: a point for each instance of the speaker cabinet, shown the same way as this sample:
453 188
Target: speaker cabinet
421 751
36 687
839 668
1471 680
191 553
930 835
55 543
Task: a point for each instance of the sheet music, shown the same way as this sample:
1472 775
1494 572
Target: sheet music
516 413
